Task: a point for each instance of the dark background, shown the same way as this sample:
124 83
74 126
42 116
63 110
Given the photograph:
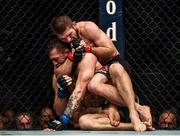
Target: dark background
152 48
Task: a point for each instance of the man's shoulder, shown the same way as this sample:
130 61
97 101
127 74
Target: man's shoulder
86 24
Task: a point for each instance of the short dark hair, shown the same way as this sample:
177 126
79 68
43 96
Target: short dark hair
56 43
60 23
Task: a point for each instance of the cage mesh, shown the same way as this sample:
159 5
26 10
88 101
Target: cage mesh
152 49
26 71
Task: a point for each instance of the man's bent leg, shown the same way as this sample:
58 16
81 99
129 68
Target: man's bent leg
122 81
99 86
100 122
85 73
145 115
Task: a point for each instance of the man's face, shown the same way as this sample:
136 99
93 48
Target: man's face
9 115
68 36
24 123
46 114
167 120
57 57
1 123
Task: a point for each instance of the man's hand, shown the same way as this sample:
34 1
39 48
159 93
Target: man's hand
79 44
78 54
55 125
113 114
75 55
68 80
63 83
75 43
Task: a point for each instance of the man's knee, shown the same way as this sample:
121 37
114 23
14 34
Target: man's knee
89 58
116 70
85 122
94 85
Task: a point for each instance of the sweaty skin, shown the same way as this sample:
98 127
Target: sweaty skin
58 72
105 50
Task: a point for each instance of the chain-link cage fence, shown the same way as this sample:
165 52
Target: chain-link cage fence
24 121
168 119
26 71
152 49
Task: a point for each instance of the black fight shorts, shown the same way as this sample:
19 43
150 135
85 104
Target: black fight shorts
123 62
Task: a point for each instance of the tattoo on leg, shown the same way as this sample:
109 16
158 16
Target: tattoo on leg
72 106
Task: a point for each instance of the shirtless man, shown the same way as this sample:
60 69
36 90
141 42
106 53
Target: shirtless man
94 40
90 114
59 57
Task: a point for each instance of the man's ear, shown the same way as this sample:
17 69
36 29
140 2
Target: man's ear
74 25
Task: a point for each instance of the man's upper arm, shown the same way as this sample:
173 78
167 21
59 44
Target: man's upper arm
103 45
92 32
54 83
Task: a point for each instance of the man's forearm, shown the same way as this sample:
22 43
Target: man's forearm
73 105
103 53
64 69
59 106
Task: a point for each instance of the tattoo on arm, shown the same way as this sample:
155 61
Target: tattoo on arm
72 106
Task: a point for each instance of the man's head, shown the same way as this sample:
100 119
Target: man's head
64 28
24 121
167 120
2 122
46 114
10 115
57 51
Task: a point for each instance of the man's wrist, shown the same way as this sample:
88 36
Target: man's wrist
70 56
88 48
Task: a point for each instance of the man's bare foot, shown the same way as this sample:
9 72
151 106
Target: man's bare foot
145 115
48 129
149 128
138 125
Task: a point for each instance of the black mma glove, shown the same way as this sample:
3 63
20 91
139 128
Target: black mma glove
62 87
78 54
75 43
56 125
